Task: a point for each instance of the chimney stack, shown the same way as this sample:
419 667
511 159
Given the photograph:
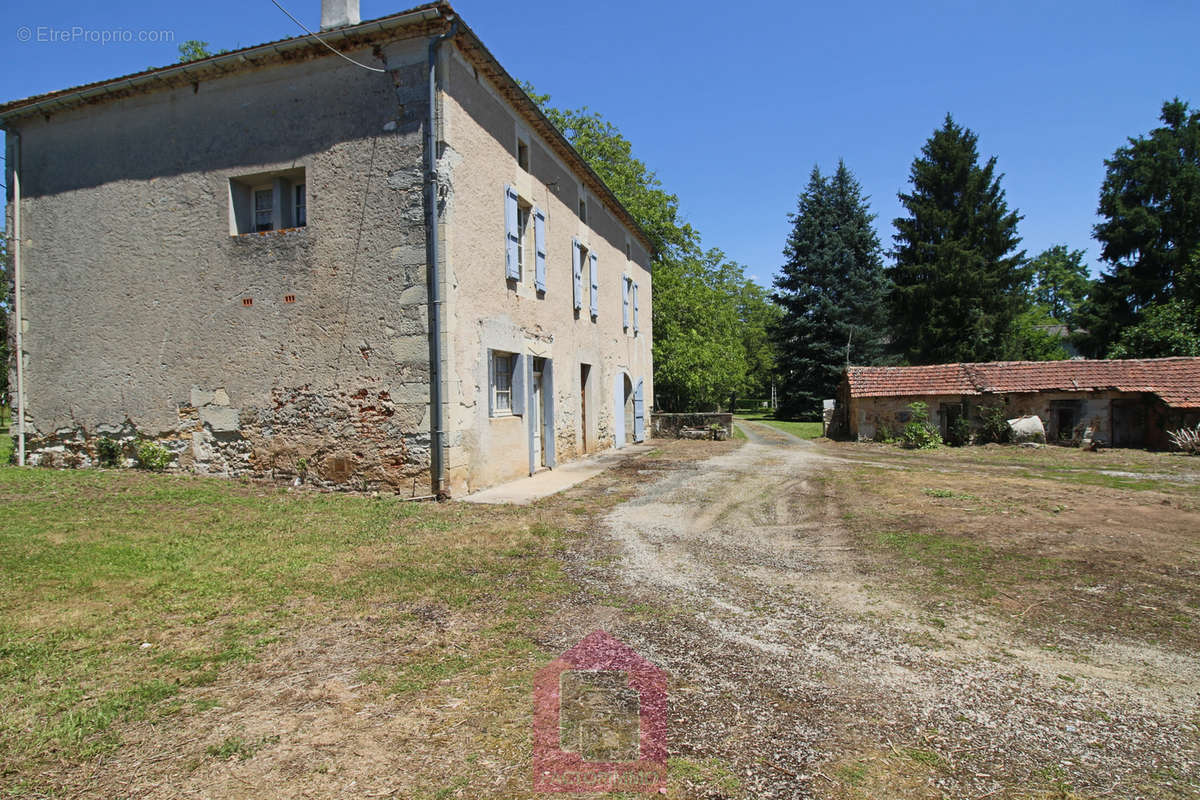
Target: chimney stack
338 13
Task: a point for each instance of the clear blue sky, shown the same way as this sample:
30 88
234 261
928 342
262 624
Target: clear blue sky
733 103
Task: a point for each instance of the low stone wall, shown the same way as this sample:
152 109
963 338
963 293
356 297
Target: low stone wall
671 426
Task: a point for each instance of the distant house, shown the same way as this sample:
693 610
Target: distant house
1130 403
376 267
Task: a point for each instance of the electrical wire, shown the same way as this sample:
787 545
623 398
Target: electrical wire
322 41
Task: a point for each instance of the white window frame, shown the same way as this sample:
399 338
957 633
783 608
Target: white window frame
524 235
502 363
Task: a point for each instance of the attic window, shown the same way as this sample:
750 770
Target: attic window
582 208
268 201
523 155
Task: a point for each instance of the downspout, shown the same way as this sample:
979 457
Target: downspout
436 420
18 308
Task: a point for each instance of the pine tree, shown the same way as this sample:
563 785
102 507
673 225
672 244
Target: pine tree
1150 239
832 291
958 286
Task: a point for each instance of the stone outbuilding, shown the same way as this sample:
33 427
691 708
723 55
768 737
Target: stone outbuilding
1125 403
380 267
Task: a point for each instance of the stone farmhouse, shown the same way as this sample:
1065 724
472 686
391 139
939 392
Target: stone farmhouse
1127 403
365 259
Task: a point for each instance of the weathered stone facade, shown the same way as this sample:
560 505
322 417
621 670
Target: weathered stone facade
155 309
146 316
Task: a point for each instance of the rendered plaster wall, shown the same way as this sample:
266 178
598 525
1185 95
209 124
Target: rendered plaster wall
486 311
136 317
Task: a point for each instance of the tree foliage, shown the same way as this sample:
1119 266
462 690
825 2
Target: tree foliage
706 347
959 282
831 290
1150 239
1164 329
194 50
1060 282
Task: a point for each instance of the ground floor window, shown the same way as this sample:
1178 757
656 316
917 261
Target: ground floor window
502 372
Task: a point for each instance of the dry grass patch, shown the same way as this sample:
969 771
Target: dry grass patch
1059 543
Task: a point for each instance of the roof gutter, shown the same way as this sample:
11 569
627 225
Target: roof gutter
206 67
433 251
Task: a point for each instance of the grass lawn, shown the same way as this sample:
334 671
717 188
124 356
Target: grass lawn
123 595
229 638
1103 540
805 430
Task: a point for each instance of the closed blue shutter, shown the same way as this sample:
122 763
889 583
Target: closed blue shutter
635 308
577 273
624 301
539 245
595 286
491 384
639 414
512 266
520 384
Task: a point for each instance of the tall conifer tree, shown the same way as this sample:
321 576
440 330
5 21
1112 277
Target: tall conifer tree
958 283
832 291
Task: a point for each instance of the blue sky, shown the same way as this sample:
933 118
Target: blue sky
733 103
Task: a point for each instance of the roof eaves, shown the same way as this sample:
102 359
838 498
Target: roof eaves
476 50
213 66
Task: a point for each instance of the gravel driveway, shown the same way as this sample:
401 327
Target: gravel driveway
812 679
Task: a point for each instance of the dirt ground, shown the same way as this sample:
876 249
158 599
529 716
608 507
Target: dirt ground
917 627
837 621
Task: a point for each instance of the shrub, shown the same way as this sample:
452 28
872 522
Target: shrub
153 456
958 432
1186 439
993 424
883 433
919 433
108 452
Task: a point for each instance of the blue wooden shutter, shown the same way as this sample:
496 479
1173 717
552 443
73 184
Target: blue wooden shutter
624 301
512 267
639 414
595 274
635 308
577 273
519 383
491 384
539 246
548 411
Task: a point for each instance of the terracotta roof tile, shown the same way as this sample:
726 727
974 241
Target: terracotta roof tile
1175 380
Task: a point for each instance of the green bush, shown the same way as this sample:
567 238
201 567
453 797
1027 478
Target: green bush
958 432
883 433
108 452
153 456
919 433
993 424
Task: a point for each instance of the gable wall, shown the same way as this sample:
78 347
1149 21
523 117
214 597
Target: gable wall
134 317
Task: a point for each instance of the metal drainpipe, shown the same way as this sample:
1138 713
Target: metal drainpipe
18 308
436 422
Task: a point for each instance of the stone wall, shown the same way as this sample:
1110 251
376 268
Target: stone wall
299 350
668 426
